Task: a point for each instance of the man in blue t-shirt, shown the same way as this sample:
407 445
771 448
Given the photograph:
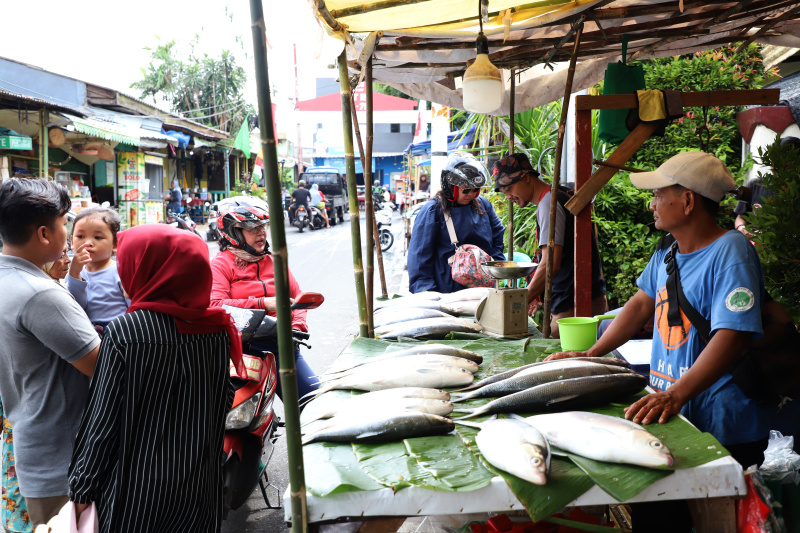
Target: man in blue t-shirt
722 279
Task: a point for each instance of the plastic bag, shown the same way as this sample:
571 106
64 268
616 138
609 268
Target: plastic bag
781 463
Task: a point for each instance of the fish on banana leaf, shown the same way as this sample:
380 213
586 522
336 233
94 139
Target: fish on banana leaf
393 374
602 438
409 300
405 314
508 373
460 307
575 393
326 408
427 328
510 445
434 348
416 360
472 293
539 374
360 405
381 427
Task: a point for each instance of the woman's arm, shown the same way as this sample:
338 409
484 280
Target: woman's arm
421 252
97 445
298 315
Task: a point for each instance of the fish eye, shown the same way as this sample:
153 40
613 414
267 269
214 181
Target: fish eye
536 461
657 444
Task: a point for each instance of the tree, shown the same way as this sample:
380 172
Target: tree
208 90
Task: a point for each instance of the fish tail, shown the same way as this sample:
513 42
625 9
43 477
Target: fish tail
465 389
471 415
460 421
458 397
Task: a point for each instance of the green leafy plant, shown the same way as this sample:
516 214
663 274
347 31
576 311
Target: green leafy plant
775 229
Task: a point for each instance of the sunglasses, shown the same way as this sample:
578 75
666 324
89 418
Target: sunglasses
470 191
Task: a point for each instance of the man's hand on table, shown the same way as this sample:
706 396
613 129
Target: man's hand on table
564 355
654 407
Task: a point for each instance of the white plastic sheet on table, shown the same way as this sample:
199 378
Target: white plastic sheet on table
719 478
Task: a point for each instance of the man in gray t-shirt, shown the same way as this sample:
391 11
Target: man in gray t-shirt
48 347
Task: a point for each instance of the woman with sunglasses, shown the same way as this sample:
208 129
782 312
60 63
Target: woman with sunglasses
474 222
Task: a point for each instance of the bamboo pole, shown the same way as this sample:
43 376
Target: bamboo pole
512 99
287 371
548 285
371 208
44 155
355 224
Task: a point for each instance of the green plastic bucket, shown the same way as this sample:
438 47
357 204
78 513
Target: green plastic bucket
579 333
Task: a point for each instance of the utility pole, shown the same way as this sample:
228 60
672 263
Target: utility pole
296 100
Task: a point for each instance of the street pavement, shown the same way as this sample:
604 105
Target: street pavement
321 261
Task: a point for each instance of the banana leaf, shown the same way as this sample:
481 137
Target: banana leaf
447 459
332 468
390 465
565 481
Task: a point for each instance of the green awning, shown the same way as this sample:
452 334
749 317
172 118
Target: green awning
102 130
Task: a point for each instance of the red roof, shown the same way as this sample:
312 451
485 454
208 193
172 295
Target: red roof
380 102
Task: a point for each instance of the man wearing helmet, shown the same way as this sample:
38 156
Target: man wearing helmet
243 276
300 196
515 177
474 221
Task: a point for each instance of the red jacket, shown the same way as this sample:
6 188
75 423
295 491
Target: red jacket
244 287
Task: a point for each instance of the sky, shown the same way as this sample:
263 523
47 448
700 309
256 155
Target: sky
105 42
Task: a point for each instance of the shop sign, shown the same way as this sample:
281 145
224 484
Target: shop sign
13 142
153 160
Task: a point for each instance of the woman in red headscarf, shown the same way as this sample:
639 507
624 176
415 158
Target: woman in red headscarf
150 441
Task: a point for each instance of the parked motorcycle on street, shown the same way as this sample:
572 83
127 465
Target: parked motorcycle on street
181 221
384 219
251 425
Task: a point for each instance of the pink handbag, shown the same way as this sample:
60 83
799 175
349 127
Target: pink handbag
466 263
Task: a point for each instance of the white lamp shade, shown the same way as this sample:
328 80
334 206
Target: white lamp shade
482 96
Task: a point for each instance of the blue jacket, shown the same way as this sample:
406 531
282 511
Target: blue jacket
430 246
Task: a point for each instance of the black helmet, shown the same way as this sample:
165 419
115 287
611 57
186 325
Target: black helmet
462 170
232 220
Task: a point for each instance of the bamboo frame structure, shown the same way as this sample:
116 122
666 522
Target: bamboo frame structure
355 223
510 203
548 285
288 371
368 157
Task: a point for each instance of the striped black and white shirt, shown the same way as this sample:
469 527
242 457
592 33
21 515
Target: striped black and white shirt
149 448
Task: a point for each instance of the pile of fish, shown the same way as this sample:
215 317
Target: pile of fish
521 446
428 314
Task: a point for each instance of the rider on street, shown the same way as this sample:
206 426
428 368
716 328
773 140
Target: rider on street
300 196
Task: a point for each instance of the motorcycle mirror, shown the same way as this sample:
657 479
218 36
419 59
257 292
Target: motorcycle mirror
207 204
106 204
308 300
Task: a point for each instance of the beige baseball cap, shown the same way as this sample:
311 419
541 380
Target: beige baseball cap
697 171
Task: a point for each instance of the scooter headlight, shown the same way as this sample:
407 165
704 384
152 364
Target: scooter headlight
241 416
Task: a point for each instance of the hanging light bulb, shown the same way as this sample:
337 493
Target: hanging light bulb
482 88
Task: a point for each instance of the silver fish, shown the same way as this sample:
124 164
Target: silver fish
508 373
358 405
427 327
565 394
405 314
440 349
408 300
460 307
393 374
382 427
536 375
412 361
472 293
603 438
510 445
321 407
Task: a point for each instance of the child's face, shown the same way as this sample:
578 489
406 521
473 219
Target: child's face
97 233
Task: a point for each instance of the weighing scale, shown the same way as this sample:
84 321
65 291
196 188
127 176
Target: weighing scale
504 311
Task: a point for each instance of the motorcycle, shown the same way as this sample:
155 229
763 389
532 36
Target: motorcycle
251 425
301 221
384 218
181 221
316 220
